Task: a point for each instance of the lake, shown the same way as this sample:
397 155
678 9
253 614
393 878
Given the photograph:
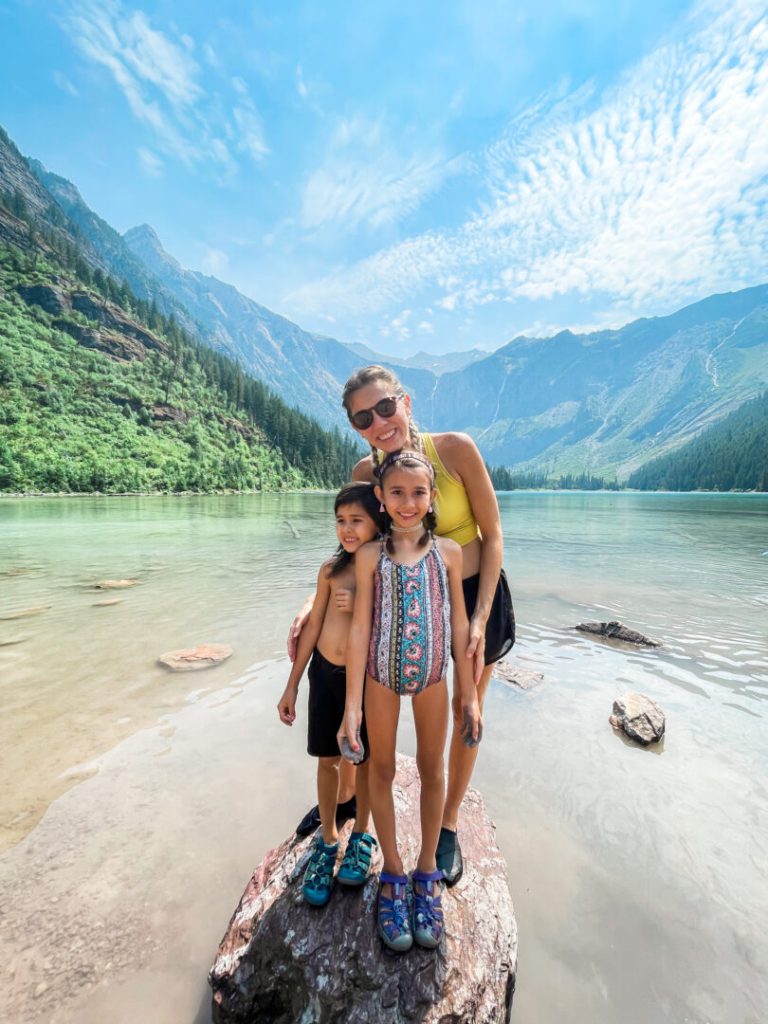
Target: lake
134 803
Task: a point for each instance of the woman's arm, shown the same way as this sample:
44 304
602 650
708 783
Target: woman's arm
298 625
286 706
461 456
466 707
357 645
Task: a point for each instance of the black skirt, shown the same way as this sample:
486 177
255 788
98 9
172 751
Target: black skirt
500 628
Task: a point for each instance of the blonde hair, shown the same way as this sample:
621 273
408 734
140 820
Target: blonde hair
371 375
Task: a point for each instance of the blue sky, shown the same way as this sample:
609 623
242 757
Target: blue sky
415 176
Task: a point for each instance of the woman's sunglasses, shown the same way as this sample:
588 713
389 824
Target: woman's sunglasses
385 407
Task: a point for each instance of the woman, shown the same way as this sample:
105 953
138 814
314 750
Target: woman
467 511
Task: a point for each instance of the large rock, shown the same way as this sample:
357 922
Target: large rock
638 717
284 962
617 631
50 297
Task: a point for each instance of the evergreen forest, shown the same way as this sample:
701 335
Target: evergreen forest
731 455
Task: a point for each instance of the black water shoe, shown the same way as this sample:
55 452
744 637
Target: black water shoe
449 859
311 820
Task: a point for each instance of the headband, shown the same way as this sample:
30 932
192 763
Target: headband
395 457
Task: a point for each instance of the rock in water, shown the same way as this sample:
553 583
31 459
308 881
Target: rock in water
25 613
639 717
618 631
192 659
284 962
519 675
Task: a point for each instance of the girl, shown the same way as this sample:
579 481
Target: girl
408 603
324 638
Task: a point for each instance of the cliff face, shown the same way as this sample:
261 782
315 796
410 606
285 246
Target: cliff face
109 329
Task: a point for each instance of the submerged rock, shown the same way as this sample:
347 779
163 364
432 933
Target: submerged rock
618 631
282 961
518 675
114 584
192 659
638 717
25 613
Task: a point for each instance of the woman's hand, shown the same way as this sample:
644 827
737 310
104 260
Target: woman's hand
286 706
345 600
476 648
297 625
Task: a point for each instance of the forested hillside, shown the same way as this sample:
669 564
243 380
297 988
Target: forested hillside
101 392
731 455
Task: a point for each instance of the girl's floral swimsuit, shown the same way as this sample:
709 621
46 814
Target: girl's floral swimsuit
411 634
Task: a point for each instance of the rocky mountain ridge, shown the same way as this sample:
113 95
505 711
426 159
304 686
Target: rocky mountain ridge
603 402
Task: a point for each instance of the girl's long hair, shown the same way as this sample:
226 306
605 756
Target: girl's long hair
355 494
370 375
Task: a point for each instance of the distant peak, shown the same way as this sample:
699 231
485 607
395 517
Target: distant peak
144 242
144 233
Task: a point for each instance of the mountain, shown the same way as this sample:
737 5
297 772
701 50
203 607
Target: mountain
608 401
305 369
101 391
114 256
431 361
601 403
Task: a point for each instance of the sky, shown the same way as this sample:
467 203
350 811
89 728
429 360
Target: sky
414 176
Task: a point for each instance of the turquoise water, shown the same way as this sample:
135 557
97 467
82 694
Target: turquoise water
637 875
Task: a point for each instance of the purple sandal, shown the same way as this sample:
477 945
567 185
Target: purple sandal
392 914
427 919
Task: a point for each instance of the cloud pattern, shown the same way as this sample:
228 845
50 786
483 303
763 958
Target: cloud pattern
655 190
160 79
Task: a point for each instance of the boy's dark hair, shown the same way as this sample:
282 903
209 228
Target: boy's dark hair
407 460
360 494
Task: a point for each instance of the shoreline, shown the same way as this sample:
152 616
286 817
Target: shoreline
24 495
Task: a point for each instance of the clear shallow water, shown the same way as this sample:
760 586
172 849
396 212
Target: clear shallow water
134 803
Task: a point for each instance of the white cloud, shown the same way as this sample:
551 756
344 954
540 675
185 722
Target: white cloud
654 190
249 132
63 83
160 80
364 179
301 85
150 163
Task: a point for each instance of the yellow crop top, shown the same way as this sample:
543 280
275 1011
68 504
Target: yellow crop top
455 518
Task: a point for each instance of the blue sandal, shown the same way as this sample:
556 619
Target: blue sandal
392 914
318 877
356 865
427 908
